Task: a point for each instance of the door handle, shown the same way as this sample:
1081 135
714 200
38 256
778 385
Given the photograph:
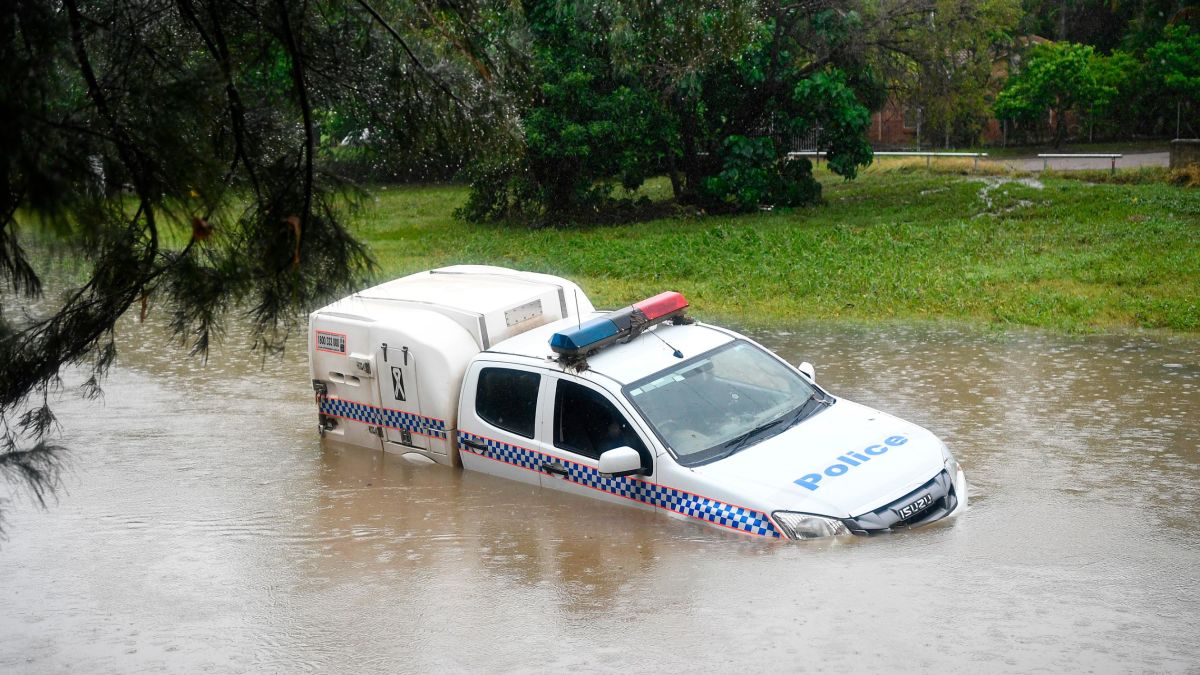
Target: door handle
476 445
555 467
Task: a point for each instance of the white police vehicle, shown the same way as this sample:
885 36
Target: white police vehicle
514 374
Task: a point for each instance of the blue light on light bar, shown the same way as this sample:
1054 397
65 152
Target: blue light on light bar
585 336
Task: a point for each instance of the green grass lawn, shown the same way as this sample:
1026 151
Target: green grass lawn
896 244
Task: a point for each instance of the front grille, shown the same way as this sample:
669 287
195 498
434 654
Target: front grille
887 519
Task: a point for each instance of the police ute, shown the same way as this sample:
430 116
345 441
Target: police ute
515 374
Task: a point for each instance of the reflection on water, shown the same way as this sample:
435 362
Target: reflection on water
206 528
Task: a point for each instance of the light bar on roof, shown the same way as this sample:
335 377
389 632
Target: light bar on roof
619 326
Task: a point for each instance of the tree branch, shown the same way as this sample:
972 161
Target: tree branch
412 57
310 142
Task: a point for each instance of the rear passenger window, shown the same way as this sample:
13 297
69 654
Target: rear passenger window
507 399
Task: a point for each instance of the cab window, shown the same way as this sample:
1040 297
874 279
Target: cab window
507 399
587 424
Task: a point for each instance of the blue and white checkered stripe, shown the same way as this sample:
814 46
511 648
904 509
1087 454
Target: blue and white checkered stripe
383 417
398 419
704 508
350 410
509 454
679 501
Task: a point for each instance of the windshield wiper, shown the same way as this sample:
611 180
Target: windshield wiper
801 413
738 442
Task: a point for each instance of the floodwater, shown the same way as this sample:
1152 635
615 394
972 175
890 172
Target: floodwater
205 529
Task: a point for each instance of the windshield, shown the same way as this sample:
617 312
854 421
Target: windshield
723 401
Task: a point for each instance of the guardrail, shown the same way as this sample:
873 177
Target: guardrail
1046 157
927 155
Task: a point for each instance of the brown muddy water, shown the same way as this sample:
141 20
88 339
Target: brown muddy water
205 529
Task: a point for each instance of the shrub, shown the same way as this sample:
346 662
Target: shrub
1188 176
753 175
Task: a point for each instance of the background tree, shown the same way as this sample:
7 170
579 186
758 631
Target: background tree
593 106
1132 25
800 74
1175 62
951 73
586 121
1146 106
624 88
1056 77
1126 83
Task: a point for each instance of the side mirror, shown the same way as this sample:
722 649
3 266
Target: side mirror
622 461
808 371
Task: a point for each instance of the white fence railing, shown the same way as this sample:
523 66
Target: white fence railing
927 155
1045 157
1113 157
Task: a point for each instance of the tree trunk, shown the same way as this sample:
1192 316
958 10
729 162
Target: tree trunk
673 174
691 160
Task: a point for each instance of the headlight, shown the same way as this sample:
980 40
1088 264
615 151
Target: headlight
808 526
951 465
953 468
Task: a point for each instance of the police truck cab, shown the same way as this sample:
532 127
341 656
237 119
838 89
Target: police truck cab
516 375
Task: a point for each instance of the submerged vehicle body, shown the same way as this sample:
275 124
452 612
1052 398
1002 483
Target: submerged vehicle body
515 374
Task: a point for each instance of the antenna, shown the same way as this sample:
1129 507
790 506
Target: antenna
674 352
578 318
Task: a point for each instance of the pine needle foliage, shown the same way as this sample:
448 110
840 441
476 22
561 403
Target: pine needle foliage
172 150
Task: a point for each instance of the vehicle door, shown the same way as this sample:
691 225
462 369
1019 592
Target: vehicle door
585 422
400 399
498 420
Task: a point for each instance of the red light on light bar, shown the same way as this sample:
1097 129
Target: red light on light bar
662 304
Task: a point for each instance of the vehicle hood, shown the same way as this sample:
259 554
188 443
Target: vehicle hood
900 456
